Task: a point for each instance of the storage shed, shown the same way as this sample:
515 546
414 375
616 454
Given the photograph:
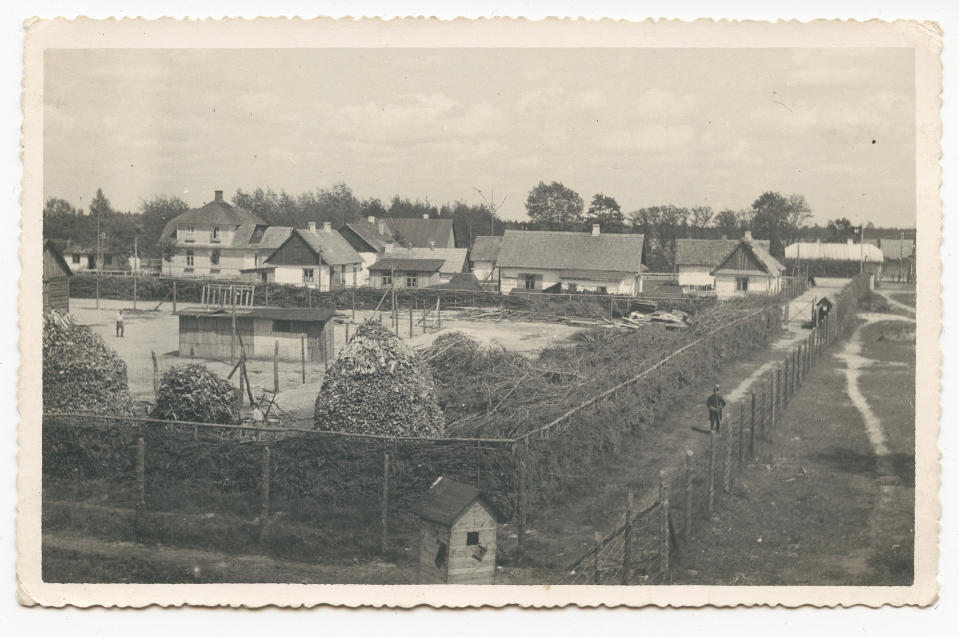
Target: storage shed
209 334
56 279
457 535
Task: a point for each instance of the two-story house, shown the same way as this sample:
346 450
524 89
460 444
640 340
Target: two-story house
220 240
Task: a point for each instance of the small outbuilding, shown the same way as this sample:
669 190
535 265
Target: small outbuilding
823 308
457 535
56 279
299 331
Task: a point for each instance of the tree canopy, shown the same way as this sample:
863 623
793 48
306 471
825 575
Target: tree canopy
554 206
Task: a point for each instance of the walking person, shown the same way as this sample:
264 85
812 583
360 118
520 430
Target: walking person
119 319
716 403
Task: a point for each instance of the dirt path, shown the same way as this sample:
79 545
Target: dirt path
894 303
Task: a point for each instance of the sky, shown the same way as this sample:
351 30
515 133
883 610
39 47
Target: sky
687 127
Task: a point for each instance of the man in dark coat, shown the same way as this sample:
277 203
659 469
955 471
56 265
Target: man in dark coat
716 404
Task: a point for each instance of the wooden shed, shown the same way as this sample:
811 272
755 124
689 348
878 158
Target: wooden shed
209 334
56 279
457 535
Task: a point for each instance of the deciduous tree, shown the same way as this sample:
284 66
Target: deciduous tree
554 206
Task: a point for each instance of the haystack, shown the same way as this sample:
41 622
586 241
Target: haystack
377 386
195 393
80 373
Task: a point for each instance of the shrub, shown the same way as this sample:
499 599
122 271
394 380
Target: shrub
193 392
80 373
377 386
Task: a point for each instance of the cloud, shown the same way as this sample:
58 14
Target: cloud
658 104
658 139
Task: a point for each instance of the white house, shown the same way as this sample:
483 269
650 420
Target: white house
417 267
572 261
748 269
219 240
320 259
697 258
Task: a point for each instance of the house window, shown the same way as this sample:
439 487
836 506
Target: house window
215 257
742 283
387 279
189 258
571 287
216 233
308 275
76 259
472 538
529 281
411 279
602 289
354 274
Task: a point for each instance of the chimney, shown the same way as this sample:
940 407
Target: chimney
426 216
724 236
327 226
595 229
312 226
388 247
748 236
218 195
371 219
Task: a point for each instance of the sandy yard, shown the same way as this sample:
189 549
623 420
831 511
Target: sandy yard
147 330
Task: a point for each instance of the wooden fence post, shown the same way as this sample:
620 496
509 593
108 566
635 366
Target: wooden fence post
664 526
276 367
303 358
156 374
711 479
411 320
385 505
265 493
347 333
353 305
742 426
772 403
140 485
627 537
728 461
174 297
752 424
598 539
688 497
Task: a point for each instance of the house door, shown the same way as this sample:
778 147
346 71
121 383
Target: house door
91 262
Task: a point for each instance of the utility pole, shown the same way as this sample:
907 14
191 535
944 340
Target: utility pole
99 257
862 241
136 266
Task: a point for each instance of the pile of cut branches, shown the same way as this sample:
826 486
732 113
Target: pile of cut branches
195 393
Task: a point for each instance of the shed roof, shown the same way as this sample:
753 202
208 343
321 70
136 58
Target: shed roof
454 259
51 248
407 265
274 313
551 250
419 232
486 248
447 500
807 251
708 251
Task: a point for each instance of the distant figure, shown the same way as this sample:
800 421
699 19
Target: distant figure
119 319
716 404
812 281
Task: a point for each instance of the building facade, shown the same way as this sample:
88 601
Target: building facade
320 259
748 270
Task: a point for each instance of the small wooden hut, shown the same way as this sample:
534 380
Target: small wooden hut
457 535
206 333
56 279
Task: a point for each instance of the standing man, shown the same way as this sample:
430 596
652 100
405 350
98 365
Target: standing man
119 319
716 404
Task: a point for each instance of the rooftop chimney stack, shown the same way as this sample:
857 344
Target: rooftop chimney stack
381 227
595 229
327 226
312 226
748 236
218 195
426 216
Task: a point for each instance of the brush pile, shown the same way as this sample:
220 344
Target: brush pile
80 373
194 393
378 386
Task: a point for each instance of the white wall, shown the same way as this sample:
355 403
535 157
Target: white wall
758 284
484 271
695 275
511 278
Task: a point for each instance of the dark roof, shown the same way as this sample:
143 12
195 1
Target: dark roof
50 247
447 500
461 281
407 265
368 233
419 232
572 251
708 251
454 259
824 302
485 248
275 313
215 212
766 261
330 246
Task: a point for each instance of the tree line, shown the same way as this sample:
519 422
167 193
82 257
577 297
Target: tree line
781 219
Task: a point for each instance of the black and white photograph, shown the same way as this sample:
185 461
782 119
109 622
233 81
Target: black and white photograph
609 316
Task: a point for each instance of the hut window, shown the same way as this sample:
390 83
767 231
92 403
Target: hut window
742 283
472 538
411 279
387 279
76 258
189 258
441 555
308 275
215 257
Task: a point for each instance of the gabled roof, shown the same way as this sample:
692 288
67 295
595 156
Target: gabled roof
51 248
834 252
447 500
708 251
215 212
454 259
419 232
407 265
273 237
766 261
551 250
485 248
368 233
330 246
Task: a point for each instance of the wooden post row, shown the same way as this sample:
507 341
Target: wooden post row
174 297
140 487
742 426
303 358
728 460
156 374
